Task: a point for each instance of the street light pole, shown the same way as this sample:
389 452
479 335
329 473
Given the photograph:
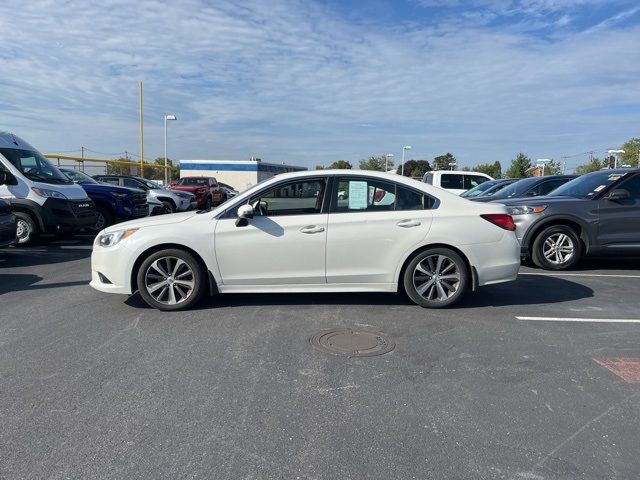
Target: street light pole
166 175
406 147
544 162
615 154
386 161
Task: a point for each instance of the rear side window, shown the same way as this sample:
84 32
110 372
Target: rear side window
111 180
471 181
128 182
453 181
373 195
428 178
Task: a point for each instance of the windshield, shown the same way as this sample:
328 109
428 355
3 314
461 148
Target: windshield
149 183
192 181
516 189
34 166
588 186
78 177
478 189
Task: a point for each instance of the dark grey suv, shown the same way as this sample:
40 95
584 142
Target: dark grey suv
595 214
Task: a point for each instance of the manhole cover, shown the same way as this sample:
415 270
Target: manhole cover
352 343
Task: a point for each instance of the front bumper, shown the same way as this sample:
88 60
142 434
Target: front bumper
111 269
59 215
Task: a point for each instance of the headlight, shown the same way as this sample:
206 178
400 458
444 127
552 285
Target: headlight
119 195
111 239
525 210
43 192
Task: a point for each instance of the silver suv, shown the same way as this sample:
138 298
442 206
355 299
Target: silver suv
173 201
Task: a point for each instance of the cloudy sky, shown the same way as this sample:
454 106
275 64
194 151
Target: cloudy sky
310 82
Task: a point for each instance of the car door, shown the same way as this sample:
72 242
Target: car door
619 220
372 225
284 242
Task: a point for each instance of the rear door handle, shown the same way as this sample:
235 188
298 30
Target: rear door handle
408 223
312 229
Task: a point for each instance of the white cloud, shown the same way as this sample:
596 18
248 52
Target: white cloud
290 80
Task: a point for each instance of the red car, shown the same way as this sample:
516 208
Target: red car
206 189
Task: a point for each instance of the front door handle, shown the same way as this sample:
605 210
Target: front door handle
312 229
408 223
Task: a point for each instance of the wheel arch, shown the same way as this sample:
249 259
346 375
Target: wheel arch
24 206
575 224
472 271
168 199
212 284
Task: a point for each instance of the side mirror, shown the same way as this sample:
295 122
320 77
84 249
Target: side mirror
6 178
618 194
245 213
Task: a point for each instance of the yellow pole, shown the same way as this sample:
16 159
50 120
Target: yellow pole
141 136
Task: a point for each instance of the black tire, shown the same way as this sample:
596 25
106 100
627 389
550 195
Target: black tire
450 283
27 229
568 252
104 218
161 297
169 206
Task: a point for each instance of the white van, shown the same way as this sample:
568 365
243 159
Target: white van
455 181
42 198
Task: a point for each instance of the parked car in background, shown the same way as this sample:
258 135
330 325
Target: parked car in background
113 203
173 201
230 191
42 198
292 233
595 214
206 189
455 181
486 189
527 187
156 207
8 223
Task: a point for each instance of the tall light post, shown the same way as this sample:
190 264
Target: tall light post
405 148
615 154
386 161
543 162
452 164
166 170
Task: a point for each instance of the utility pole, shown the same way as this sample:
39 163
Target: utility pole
141 137
82 164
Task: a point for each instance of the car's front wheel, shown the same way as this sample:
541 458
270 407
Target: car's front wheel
556 248
27 230
436 278
171 280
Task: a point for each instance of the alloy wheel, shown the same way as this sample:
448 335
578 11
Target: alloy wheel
436 278
558 248
23 231
169 280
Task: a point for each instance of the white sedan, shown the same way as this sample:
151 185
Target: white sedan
295 233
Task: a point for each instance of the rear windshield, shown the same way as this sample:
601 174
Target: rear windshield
477 190
516 189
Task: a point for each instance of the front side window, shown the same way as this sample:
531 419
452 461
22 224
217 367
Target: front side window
633 187
302 197
129 182
34 166
452 181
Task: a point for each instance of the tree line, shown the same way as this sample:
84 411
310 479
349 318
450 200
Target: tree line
521 165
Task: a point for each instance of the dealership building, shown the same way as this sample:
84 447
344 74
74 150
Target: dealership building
240 174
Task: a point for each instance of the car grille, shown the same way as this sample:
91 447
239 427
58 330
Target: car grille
83 208
138 198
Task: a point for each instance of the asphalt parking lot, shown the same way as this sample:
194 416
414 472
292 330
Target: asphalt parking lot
504 386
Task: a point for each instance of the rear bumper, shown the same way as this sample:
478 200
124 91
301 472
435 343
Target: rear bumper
495 262
8 227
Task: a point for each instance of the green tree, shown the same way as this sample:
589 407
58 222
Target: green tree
319 167
593 165
520 167
631 155
553 168
416 168
119 169
443 162
492 169
341 165
376 163
158 173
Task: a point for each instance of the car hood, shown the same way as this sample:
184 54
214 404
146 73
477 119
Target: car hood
170 219
546 200
106 188
188 188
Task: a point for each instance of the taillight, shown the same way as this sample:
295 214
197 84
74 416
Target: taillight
379 195
502 220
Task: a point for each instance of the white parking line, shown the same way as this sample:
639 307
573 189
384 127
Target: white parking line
579 275
587 320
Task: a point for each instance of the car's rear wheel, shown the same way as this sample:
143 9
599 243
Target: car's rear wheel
171 280
556 248
436 278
